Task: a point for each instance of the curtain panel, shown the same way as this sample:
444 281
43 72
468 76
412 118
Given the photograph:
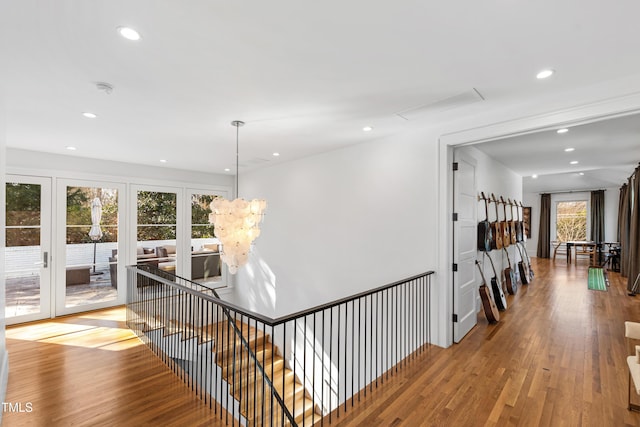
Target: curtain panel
544 231
634 229
597 216
624 220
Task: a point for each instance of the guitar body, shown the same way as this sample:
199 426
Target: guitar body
496 235
519 231
506 237
513 225
501 300
529 269
510 277
506 232
498 294
490 309
510 281
524 273
485 235
523 269
497 241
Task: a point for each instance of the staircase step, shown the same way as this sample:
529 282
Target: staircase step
242 366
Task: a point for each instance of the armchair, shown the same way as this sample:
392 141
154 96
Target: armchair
632 333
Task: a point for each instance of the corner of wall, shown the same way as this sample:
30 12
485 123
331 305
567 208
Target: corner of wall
4 356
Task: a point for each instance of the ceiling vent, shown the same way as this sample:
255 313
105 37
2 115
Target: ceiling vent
455 101
253 162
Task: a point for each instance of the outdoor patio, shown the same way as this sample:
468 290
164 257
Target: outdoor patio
23 293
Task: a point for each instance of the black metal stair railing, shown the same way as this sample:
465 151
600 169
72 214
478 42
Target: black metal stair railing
300 369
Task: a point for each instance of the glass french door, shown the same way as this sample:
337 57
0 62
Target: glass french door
205 265
28 249
87 243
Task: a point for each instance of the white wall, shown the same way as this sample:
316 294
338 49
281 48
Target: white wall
4 356
532 200
343 222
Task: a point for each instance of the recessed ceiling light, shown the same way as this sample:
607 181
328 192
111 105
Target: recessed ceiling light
367 128
534 176
163 161
573 162
129 33
89 115
563 130
227 169
570 149
70 148
276 154
581 173
545 73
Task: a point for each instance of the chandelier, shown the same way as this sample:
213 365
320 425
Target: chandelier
236 222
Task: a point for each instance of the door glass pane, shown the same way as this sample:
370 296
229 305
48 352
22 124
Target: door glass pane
91 245
205 248
156 230
23 251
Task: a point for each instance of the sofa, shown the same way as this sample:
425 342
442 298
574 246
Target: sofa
143 256
205 262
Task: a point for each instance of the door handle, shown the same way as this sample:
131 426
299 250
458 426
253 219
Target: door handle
45 260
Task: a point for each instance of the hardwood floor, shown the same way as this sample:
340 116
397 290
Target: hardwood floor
556 358
90 370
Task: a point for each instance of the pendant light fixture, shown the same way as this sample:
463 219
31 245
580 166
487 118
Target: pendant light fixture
237 222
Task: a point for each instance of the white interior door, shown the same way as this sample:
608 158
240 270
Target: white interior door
465 204
28 249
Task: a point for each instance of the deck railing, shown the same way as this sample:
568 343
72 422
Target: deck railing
300 369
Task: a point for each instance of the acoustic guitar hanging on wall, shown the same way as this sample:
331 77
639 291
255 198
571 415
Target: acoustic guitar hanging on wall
519 228
496 229
512 223
504 224
484 229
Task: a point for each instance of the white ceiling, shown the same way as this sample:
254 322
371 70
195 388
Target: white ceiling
607 152
305 76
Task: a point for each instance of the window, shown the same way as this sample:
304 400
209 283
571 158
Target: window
157 229
205 254
571 221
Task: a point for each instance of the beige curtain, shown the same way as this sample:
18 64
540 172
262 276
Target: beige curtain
634 229
544 230
597 216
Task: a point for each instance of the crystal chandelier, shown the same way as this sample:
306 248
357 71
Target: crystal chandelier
236 222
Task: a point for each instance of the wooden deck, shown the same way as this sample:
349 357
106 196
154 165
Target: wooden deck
556 358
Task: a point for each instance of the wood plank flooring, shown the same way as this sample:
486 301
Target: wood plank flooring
91 370
556 358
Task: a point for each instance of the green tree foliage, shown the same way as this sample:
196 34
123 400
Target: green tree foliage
200 211
79 201
156 215
22 210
